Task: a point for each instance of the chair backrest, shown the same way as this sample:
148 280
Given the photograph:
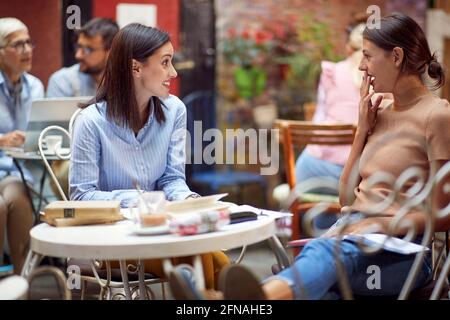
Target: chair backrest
48 282
68 135
298 134
200 106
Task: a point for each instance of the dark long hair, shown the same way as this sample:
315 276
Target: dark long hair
134 41
399 30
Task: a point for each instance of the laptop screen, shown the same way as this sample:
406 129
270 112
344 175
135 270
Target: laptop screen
48 112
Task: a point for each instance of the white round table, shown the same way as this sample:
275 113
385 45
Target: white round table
118 242
31 155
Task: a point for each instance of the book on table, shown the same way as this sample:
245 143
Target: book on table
196 205
71 213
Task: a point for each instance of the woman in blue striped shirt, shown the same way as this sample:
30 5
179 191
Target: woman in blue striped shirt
135 131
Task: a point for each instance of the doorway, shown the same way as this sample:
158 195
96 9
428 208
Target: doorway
197 53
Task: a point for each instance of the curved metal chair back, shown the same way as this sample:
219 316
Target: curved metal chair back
68 134
39 287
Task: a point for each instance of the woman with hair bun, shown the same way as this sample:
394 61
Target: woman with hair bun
396 60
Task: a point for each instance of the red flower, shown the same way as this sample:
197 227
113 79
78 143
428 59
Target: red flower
262 37
232 33
245 34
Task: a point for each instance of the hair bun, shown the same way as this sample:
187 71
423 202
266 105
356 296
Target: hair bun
434 68
436 71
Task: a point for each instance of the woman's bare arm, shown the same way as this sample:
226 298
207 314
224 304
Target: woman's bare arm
440 197
366 123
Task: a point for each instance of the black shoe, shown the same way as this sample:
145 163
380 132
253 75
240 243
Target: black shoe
238 283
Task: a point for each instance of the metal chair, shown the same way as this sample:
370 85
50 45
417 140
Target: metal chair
439 286
48 283
201 106
44 283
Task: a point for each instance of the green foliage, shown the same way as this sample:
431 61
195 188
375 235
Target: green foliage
313 45
249 47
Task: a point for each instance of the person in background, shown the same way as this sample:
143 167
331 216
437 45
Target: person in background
91 51
338 99
82 79
134 132
18 89
337 102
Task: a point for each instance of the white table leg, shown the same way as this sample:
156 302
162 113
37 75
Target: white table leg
167 267
142 286
126 284
31 262
198 268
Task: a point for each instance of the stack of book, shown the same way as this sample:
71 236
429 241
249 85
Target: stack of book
74 213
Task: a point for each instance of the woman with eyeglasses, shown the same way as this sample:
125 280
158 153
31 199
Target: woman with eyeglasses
17 90
133 133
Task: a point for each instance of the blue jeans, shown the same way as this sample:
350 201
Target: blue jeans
308 167
315 269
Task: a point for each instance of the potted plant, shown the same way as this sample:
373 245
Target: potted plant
301 55
248 50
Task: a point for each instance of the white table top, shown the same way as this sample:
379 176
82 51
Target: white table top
32 155
116 241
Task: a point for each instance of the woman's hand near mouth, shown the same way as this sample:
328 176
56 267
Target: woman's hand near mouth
367 109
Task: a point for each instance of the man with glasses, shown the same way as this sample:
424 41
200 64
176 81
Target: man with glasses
82 79
92 48
17 90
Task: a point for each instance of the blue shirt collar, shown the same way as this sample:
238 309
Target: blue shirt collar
4 81
101 107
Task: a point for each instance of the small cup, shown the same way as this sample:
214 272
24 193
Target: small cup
152 203
52 143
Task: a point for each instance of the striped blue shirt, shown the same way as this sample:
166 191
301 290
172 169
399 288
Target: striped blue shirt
106 158
14 113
